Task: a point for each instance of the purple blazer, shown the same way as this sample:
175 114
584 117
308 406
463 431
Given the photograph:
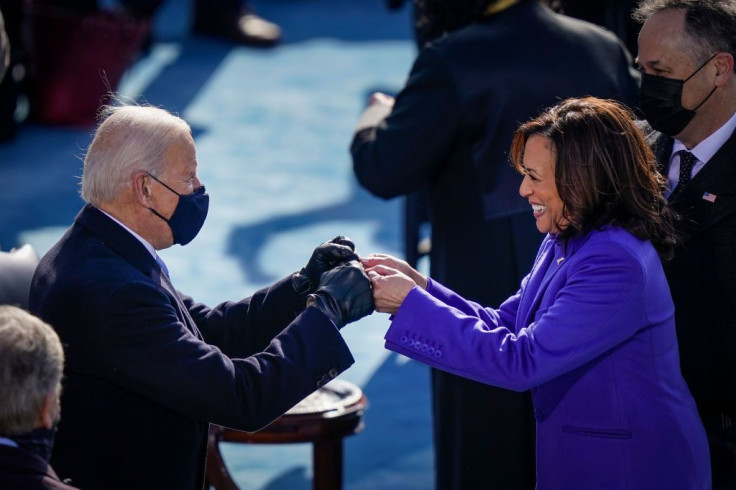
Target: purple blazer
591 332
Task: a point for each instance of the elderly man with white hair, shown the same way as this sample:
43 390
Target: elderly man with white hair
148 368
31 362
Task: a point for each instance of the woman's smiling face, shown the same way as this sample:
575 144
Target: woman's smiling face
539 186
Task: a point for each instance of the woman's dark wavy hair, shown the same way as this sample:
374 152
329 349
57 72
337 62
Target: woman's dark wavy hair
604 171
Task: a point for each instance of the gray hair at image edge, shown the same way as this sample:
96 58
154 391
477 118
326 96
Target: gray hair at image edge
709 24
129 138
31 365
4 48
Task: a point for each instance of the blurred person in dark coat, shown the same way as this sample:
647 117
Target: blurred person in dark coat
31 363
688 96
148 367
496 64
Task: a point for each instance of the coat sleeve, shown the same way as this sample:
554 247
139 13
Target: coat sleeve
147 350
395 155
241 328
599 306
504 315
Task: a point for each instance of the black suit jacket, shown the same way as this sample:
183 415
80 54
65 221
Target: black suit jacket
148 368
702 276
24 470
451 129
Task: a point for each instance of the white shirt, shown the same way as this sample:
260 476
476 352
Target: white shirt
703 151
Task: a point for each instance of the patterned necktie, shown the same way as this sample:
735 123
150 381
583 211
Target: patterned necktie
162 265
687 161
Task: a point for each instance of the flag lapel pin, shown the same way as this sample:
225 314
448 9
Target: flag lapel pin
707 196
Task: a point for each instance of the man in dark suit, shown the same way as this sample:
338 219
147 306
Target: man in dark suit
31 362
451 127
688 96
148 367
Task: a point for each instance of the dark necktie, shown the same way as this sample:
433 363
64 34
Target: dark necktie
687 161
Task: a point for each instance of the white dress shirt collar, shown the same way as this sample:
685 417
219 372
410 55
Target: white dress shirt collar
145 243
705 150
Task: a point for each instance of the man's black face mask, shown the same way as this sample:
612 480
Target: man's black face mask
661 102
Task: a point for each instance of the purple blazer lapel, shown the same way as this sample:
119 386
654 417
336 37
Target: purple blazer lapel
553 258
534 288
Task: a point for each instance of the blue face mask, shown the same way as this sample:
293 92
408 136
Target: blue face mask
189 214
39 441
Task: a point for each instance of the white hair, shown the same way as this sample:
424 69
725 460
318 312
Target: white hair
4 48
31 363
130 138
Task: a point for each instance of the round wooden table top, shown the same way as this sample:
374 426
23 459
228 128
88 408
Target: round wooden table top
334 410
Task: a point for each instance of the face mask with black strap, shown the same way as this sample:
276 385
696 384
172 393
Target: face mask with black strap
189 214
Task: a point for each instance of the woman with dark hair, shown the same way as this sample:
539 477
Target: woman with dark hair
591 330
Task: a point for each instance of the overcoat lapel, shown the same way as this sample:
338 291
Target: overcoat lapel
133 251
184 315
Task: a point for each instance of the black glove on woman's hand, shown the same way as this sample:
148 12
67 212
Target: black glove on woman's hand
326 256
344 294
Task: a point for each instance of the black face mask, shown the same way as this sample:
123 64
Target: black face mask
661 101
189 214
39 441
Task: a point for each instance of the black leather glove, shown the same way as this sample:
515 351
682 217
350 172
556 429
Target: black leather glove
326 256
344 294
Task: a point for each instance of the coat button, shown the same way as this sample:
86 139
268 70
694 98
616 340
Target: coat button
438 353
403 339
333 373
323 381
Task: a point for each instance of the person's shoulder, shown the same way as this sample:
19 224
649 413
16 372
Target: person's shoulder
21 468
87 270
619 241
653 138
584 28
